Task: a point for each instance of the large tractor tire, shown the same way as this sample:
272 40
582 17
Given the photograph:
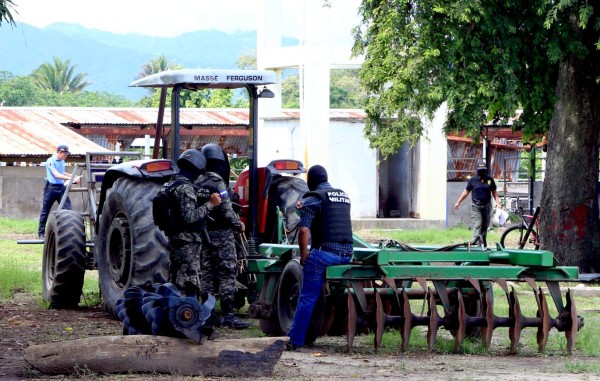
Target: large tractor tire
63 263
290 285
284 192
130 249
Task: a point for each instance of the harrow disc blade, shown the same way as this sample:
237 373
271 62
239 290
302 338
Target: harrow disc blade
407 323
488 330
544 327
514 332
351 331
462 322
571 332
379 321
434 322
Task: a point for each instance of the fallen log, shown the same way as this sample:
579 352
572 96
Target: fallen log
160 354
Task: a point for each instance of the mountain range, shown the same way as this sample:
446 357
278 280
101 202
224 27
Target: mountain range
112 61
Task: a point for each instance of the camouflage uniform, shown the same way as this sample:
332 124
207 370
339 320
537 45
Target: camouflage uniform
186 245
219 257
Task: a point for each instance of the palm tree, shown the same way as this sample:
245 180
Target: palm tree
158 64
5 14
59 77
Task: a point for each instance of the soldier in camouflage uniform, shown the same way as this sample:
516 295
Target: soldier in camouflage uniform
219 258
185 243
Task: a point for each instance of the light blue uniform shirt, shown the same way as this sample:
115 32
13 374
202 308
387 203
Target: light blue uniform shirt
59 165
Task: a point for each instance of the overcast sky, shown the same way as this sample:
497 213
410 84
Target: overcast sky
170 18
150 17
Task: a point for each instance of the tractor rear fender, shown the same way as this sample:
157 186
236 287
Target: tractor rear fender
157 170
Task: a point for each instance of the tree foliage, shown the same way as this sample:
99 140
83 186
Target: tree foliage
290 92
247 61
59 76
19 91
344 90
485 59
158 64
6 13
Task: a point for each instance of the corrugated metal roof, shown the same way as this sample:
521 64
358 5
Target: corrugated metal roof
31 138
33 131
78 116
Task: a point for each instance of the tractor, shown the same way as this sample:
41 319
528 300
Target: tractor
454 283
115 234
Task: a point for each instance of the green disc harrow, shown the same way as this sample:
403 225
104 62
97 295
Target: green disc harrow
453 285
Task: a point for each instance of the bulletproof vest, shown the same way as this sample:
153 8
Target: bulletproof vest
333 224
212 183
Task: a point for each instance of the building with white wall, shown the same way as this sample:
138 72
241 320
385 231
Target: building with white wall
409 184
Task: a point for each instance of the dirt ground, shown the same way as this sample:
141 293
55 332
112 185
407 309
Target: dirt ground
23 323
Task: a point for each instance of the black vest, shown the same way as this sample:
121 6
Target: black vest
210 184
333 224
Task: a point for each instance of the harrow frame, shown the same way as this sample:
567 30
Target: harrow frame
373 292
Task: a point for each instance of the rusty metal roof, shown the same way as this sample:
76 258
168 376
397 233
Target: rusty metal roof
37 131
27 135
90 116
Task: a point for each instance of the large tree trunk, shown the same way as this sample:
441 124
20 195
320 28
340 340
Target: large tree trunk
570 226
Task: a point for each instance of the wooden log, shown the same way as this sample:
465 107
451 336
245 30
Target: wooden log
160 354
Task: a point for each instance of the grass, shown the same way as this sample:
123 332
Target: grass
457 234
21 265
20 271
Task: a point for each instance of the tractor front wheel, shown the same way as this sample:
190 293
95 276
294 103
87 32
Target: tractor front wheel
63 262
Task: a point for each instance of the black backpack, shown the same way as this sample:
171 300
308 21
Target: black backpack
164 209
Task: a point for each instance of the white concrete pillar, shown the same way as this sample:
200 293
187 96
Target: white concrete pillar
433 176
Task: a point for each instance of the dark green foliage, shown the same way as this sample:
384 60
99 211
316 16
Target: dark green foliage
485 59
5 12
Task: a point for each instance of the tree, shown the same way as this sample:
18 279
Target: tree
24 91
485 60
158 64
345 91
247 61
19 91
5 12
290 92
59 77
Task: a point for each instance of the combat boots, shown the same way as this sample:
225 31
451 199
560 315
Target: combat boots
229 318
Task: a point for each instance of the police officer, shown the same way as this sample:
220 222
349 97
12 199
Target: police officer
185 243
483 188
54 187
325 217
219 258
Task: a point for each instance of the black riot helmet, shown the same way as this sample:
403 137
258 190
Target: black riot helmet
192 161
217 161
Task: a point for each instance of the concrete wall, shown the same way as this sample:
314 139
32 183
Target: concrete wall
21 192
352 165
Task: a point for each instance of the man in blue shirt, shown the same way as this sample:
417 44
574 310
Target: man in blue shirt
325 218
55 185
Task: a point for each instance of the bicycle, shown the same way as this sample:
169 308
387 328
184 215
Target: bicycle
525 233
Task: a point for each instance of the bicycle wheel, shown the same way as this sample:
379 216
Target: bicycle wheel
514 235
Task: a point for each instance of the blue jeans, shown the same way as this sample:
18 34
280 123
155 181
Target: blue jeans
313 274
52 194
